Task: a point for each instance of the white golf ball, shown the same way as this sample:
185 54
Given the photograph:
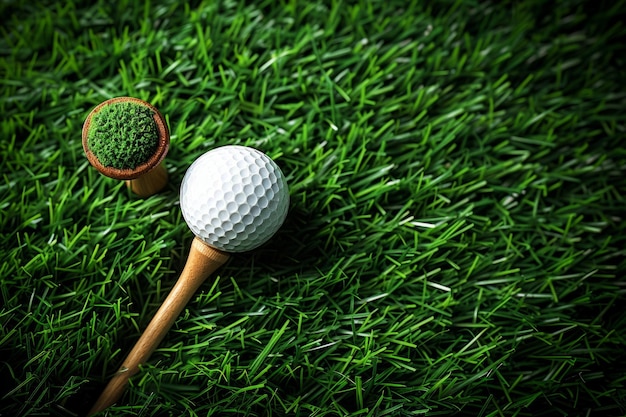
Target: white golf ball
234 198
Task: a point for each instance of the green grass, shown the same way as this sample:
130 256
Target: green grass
456 239
123 135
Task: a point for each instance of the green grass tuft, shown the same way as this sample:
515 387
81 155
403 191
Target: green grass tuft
123 135
456 237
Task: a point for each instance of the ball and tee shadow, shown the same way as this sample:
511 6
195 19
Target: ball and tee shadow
235 200
263 271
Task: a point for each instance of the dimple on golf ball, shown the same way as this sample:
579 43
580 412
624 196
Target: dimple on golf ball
234 198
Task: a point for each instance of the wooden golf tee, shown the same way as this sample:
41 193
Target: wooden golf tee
202 261
149 183
145 179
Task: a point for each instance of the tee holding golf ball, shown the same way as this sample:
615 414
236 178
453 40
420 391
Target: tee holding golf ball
127 139
233 198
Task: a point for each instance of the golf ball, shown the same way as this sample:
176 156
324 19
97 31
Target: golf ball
234 198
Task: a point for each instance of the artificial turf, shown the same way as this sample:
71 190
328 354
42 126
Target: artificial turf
123 135
456 237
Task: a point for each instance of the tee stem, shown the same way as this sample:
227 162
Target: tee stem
201 263
149 183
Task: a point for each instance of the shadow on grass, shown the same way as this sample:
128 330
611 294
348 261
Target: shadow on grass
295 250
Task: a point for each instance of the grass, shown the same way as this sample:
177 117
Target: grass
455 243
123 135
